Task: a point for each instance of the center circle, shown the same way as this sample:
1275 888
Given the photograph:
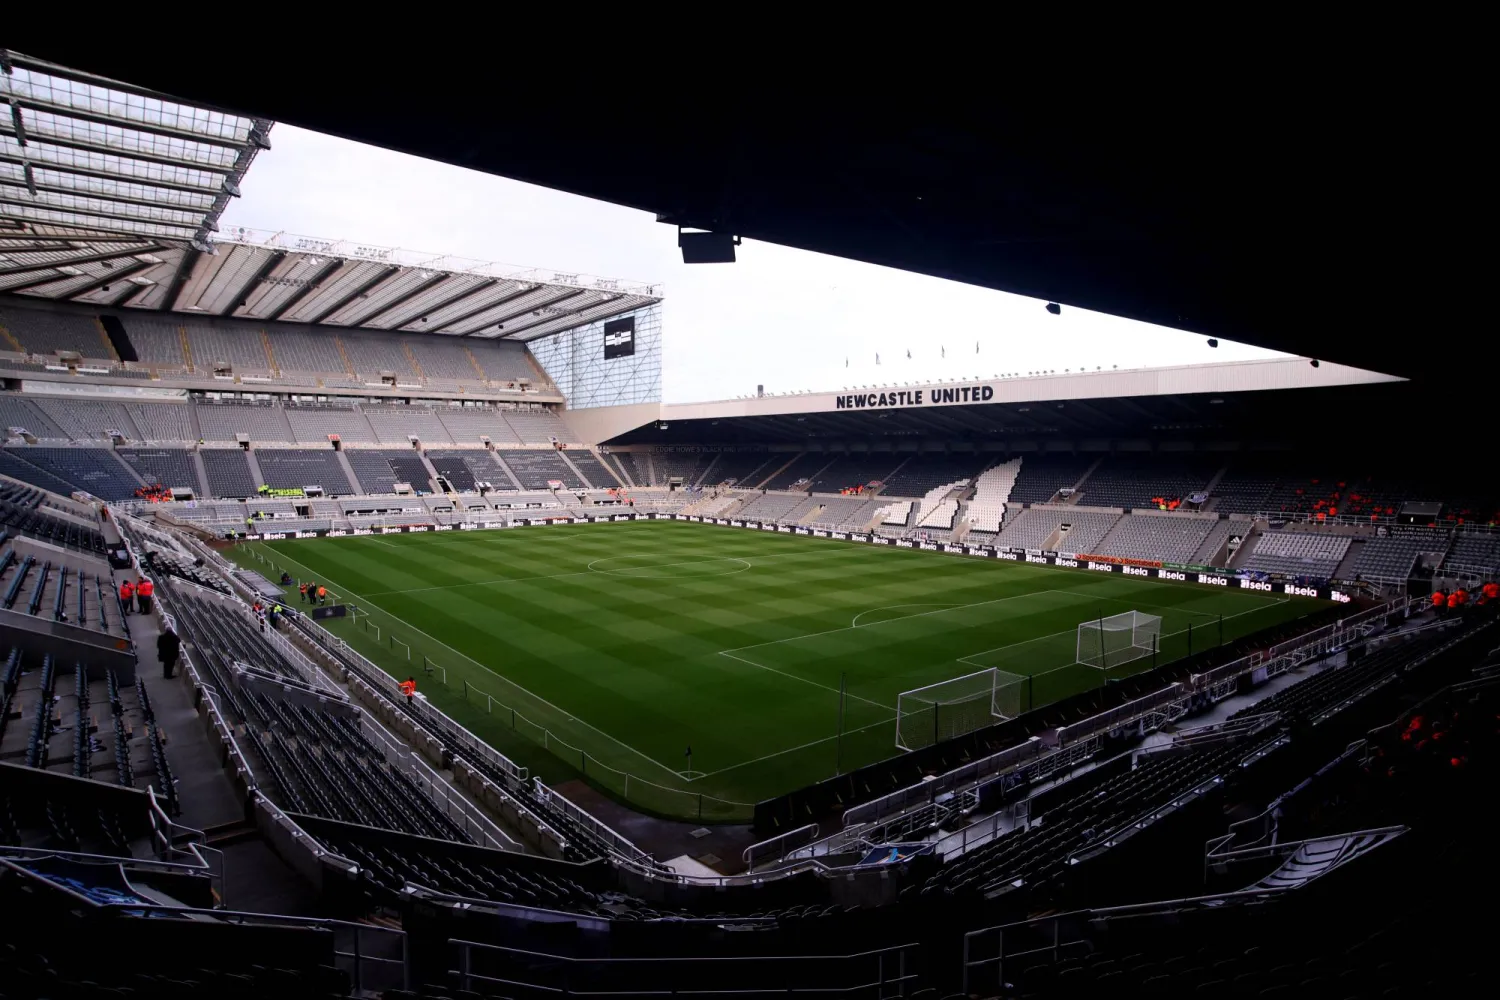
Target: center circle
670 570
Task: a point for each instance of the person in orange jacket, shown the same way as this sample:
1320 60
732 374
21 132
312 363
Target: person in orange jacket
143 591
127 592
409 688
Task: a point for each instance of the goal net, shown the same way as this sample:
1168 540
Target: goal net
941 711
1109 642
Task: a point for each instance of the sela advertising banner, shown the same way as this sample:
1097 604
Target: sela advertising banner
619 338
1204 576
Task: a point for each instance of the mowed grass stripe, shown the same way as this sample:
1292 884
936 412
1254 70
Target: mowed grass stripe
632 660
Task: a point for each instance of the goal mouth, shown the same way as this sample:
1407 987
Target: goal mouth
1108 642
959 705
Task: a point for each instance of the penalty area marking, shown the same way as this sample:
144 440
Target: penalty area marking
892 607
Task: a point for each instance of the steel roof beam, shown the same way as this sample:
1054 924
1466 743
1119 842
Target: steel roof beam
465 293
114 196
261 274
33 136
109 279
129 124
501 321
189 226
312 285
106 175
74 261
179 278
364 288
403 298
465 317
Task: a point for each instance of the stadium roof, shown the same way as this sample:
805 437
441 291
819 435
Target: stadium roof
1305 210
97 176
110 195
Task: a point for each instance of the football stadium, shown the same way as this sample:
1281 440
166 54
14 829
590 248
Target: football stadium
374 628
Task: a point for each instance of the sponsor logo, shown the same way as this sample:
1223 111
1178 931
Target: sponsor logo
363 531
1217 581
337 533
1008 555
307 534
443 527
1040 560
1102 567
417 527
1254 585
1292 588
1340 596
1134 571
467 527
929 546
1168 574
1067 562
274 534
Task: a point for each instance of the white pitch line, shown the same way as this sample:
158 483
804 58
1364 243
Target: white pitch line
854 622
923 614
780 753
730 653
583 572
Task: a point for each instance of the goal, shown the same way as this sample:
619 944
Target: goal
1109 642
941 711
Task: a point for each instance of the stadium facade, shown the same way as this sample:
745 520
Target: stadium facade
170 392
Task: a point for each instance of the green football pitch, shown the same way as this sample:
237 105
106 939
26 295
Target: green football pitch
693 670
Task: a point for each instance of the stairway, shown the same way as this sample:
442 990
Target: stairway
514 482
343 461
255 473
576 471
203 490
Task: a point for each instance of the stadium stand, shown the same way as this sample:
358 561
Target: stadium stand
849 471
534 469
1034 527
156 341
409 469
481 466
798 470
305 350
26 415
18 468
598 476
1042 476
94 470
632 474
921 473
470 424
170 467
294 468
1391 560
228 472
991 491
311 424
398 424
773 506
503 361
225 422
239 346
1137 481
456 471
1155 538
687 466
1297 553
1474 552
372 469
536 426
745 469
45 332
88 420
440 357
163 422
372 354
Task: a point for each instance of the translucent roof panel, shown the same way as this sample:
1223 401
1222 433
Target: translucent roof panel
91 156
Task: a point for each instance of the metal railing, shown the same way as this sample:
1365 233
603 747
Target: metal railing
883 972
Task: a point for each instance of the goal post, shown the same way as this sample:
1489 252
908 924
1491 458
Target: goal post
941 711
1108 642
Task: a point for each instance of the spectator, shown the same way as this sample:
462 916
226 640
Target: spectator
143 592
167 648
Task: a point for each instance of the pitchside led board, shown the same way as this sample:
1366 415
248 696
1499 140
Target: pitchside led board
619 338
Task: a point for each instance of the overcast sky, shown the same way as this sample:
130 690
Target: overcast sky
785 318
